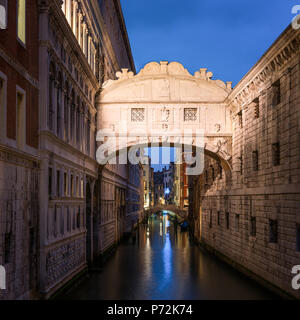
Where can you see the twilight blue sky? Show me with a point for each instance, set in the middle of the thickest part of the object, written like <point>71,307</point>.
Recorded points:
<point>227,37</point>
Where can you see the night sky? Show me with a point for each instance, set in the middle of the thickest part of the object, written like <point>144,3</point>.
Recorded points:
<point>227,37</point>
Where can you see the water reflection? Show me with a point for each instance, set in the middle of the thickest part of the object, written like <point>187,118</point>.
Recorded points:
<point>163,264</point>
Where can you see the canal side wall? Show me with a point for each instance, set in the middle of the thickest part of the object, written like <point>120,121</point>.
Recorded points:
<point>250,214</point>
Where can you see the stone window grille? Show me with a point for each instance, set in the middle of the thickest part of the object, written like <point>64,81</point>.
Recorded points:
<point>253,226</point>
<point>256,108</point>
<point>273,231</point>
<point>276,92</point>
<point>241,164</point>
<point>276,154</point>
<point>190,114</point>
<point>137,115</point>
<point>255,160</point>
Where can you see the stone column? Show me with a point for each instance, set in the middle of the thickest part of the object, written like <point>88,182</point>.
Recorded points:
<point>79,29</point>
<point>68,10</point>
<point>74,16</point>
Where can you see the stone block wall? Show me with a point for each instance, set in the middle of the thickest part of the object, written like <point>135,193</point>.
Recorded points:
<point>253,217</point>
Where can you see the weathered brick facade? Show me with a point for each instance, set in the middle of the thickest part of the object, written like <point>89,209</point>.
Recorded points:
<point>19,163</point>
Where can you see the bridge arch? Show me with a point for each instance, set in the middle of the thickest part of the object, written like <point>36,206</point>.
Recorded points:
<point>164,99</point>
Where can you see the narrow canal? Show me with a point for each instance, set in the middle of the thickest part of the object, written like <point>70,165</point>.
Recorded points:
<point>161,263</point>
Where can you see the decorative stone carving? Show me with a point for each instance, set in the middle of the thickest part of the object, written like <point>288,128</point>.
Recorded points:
<point>125,74</point>
<point>165,114</point>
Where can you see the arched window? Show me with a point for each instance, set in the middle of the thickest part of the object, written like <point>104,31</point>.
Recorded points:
<point>66,112</point>
<point>58,105</point>
<point>50,92</point>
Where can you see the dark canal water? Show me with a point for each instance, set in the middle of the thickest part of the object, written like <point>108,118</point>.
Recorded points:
<point>161,263</point>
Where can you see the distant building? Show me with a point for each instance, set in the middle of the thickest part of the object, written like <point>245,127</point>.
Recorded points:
<point>148,181</point>
<point>159,196</point>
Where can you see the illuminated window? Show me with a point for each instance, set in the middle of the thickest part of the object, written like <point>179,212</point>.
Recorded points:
<point>21,16</point>
<point>3,14</point>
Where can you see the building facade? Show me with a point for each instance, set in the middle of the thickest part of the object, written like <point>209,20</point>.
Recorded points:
<point>250,215</point>
<point>79,216</point>
<point>19,160</point>
<point>55,199</point>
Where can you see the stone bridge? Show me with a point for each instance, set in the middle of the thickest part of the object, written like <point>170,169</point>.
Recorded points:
<point>181,213</point>
<point>165,100</point>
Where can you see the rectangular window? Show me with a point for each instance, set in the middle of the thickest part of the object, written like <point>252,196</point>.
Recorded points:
<point>21,119</point>
<point>210,219</point>
<point>3,97</point>
<point>65,183</point>
<point>190,114</point>
<point>3,14</point>
<point>253,226</point>
<point>273,228</point>
<point>227,220</point>
<point>21,20</point>
<point>58,183</point>
<point>237,222</point>
<point>241,164</point>
<point>49,182</point>
<point>298,237</point>
<point>240,116</point>
<point>81,188</point>
<point>7,247</point>
<point>276,92</point>
<point>255,160</point>
<point>68,220</point>
<point>72,186</point>
<point>218,218</point>
<point>276,154</point>
<point>256,107</point>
